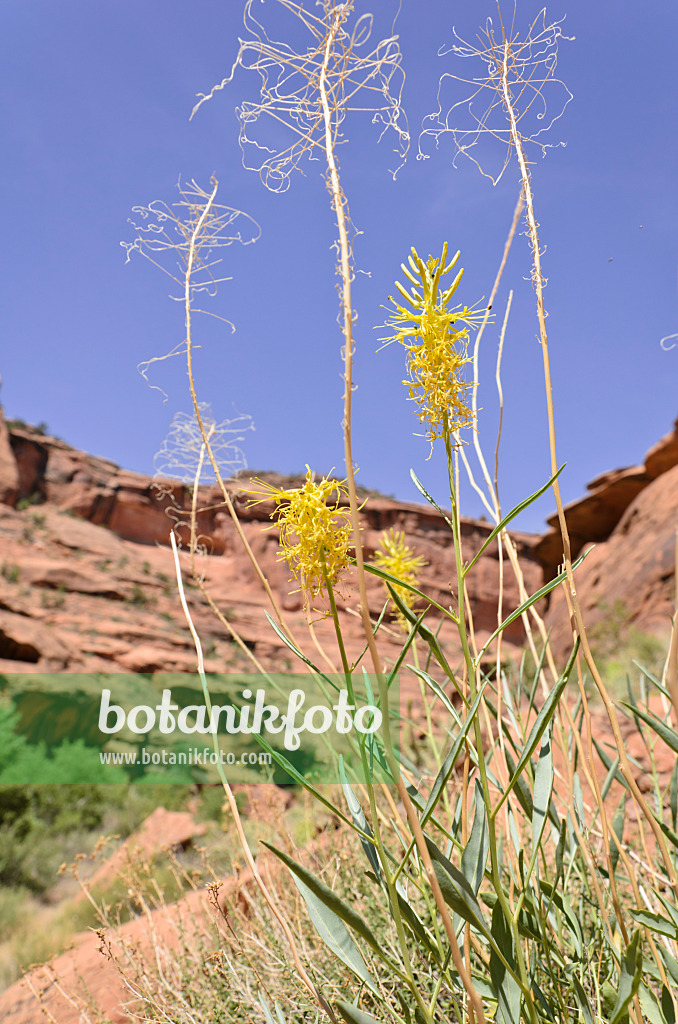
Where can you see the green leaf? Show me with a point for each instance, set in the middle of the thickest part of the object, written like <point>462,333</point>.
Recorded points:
<point>426,634</point>
<point>655,922</point>
<point>456,890</point>
<point>543,718</point>
<point>651,1007</point>
<point>533,600</point>
<point>669,908</point>
<point>360,821</point>
<point>582,1001</point>
<point>295,774</point>
<point>422,490</point>
<point>670,736</point>
<point>267,1011</point>
<point>630,973</point>
<point>541,801</point>
<point>611,766</point>
<point>618,828</point>
<point>670,963</point>
<point>668,1007</point>
<point>511,515</point>
<point>668,832</point>
<point>416,926</point>
<point>335,935</point>
<point>393,581</point>
<point>448,764</point>
<point>333,902</point>
<point>295,650</point>
<point>563,904</point>
<point>504,985</point>
<point>522,790</point>
<point>353,1015</point>
<point>437,689</point>
<point>474,857</point>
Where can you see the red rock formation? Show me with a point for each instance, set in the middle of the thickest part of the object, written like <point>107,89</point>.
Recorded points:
<point>632,573</point>
<point>96,592</point>
<point>594,517</point>
<point>9,473</point>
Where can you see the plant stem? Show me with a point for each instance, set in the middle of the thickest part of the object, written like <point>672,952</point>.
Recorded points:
<point>571,589</point>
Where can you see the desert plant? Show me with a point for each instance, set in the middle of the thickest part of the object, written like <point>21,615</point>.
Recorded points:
<point>502,882</point>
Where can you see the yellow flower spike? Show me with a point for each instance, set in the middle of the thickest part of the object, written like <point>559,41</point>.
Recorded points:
<point>436,344</point>
<point>398,559</point>
<point>312,524</point>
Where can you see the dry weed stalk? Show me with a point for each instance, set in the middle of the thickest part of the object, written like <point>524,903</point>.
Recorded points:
<point>517,72</point>
<point>310,93</point>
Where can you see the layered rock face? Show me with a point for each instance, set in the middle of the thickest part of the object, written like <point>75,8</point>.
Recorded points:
<point>594,517</point>
<point>87,577</point>
<point>630,520</point>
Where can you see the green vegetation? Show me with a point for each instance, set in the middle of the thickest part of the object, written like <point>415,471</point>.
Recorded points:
<point>9,572</point>
<point>18,424</point>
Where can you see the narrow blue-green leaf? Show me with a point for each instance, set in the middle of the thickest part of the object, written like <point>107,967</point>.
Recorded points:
<point>610,777</point>
<point>650,1006</point>
<point>330,899</point>
<point>670,736</point>
<point>456,890</point>
<point>547,712</point>
<point>335,935</point>
<point>416,926</point>
<point>448,764</point>
<point>669,833</point>
<point>670,962</point>
<point>474,857</point>
<point>522,790</point>
<point>295,650</point>
<point>352,1015</point>
<point>543,1002</point>
<point>546,589</point>
<point>295,774</point>
<point>669,908</point>
<point>655,922</point>
<point>631,969</point>
<point>512,515</point>
<point>541,800</point>
<point>437,689</point>
<point>422,490</point>
<point>618,828</point>
<point>578,800</point>
<point>504,985</point>
<point>610,765</point>
<point>582,1000</point>
<point>360,820</point>
<point>668,1008</point>
<point>673,797</point>
<point>394,581</point>
<point>563,904</point>
<point>426,634</point>
<point>266,1009</point>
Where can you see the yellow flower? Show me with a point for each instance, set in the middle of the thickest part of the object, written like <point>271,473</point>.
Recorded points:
<point>436,347</point>
<point>400,561</point>
<point>312,527</point>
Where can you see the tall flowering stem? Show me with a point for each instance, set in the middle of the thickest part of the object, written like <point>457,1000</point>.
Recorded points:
<point>436,339</point>
<point>315,531</point>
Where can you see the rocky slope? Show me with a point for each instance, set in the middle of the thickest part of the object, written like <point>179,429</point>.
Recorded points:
<point>86,584</point>
<point>87,578</point>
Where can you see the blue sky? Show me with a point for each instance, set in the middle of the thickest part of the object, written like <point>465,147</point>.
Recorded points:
<point>95,112</point>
